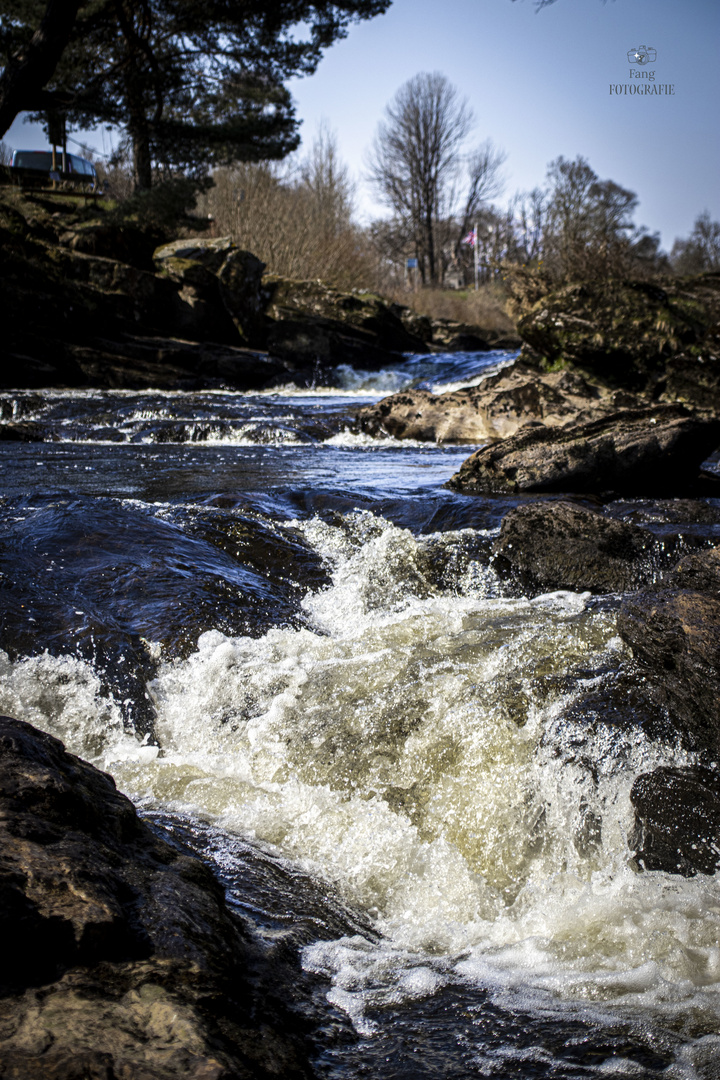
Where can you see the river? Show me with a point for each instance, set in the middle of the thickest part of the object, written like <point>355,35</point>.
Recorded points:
<point>289,645</point>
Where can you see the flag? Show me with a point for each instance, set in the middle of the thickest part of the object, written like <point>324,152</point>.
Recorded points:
<point>471,238</point>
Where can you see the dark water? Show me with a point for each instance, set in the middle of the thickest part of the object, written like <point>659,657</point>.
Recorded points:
<point>292,648</point>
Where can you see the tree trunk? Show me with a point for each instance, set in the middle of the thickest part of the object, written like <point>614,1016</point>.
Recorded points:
<point>139,131</point>
<point>142,159</point>
<point>430,244</point>
<point>30,69</point>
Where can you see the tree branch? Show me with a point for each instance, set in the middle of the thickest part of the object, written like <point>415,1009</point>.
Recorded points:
<point>33,66</point>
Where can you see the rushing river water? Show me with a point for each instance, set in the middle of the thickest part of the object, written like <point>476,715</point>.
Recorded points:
<point>288,644</point>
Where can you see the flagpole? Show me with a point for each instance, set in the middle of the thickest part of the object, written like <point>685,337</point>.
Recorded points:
<point>475,252</point>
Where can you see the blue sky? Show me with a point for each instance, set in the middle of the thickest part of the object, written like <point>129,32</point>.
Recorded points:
<point>538,83</point>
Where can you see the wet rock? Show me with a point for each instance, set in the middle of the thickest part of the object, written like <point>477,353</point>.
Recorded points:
<point>653,450</point>
<point>137,362</point>
<point>120,956</point>
<point>26,431</point>
<point>689,513</point>
<point>677,815</point>
<point>675,638</point>
<point>562,545</point>
<point>699,572</point>
<point>514,398</point>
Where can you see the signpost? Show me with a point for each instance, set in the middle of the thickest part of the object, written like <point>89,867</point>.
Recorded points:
<point>411,264</point>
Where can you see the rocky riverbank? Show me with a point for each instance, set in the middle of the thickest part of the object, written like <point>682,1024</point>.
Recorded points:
<point>93,301</point>
<point>588,351</point>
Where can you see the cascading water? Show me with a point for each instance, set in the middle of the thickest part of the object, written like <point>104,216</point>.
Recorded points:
<point>410,735</point>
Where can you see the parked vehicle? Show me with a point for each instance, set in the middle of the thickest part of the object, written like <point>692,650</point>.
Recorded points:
<point>32,167</point>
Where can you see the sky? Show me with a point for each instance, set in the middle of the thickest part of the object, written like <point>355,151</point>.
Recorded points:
<point>538,83</point>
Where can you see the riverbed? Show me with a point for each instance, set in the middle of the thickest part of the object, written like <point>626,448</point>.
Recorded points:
<point>290,645</point>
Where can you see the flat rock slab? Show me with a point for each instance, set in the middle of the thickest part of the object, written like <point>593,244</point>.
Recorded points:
<point>120,957</point>
<point>500,406</point>
<point>654,450</point>
<point>562,545</point>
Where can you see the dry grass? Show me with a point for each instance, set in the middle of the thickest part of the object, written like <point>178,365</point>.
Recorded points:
<point>486,308</point>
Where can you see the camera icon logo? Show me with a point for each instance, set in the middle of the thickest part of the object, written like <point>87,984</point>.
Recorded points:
<point>644,54</point>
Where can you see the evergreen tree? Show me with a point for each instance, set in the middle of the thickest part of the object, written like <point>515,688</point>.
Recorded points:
<point>192,84</point>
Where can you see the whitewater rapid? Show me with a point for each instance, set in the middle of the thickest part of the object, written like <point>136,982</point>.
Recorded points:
<point>408,748</point>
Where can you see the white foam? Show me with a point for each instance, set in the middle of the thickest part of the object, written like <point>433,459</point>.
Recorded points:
<point>396,748</point>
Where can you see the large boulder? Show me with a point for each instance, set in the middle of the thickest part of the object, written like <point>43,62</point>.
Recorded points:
<point>653,450</point>
<point>562,545</point>
<point>120,957</point>
<point>675,638</point>
<point>196,311</point>
<point>241,288</point>
<point>677,820</point>
<point>210,252</point>
<point>311,322</point>
<point>123,242</point>
<point>674,635</point>
<point>626,331</point>
<point>513,398</point>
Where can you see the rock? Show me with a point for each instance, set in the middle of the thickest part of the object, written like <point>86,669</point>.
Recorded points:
<point>76,292</point>
<point>120,955</point>
<point>25,431</point>
<point>623,332</point>
<point>420,326</point>
<point>675,638</point>
<point>209,252</point>
<point>652,450</point>
<point>561,545</point>
<point>694,379</point>
<point>451,336</point>
<point>699,572</point>
<point>310,322</point>
<point>502,404</point>
<point>123,243</point>
<point>677,820</point>
<point>197,311</point>
<point>138,362</point>
<point>242,293</point>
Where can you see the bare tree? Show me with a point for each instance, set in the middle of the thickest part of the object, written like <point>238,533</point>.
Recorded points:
<point>529,212</point>
<point>588,228</point>
<point>419,166</point>
<point>484,183</point>
<point>701,250</point>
